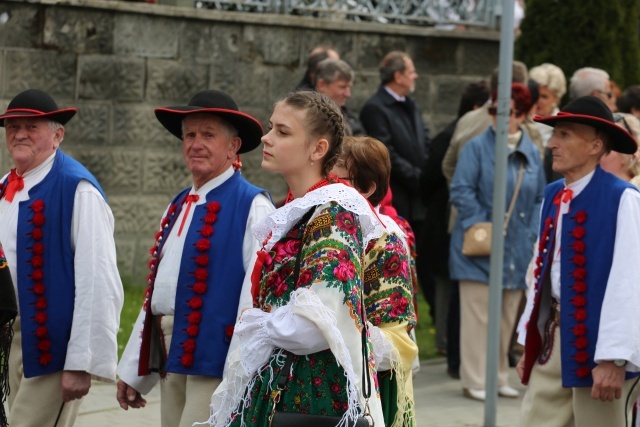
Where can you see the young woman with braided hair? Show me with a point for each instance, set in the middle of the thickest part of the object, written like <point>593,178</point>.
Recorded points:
<point>306,284</point>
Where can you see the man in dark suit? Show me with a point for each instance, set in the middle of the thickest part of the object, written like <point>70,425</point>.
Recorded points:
<point>395,119</point>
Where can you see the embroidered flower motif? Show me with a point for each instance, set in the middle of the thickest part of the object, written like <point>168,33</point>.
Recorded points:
<point>392,267</point>
<point>399,304</point>
<point>345,271</point>
<point>346,222</point>
<point>305,277</point>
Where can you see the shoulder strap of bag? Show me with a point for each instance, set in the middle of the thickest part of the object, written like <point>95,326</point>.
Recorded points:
<point>512,205</point>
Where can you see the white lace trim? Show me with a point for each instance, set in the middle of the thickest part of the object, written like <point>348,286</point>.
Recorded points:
<point>283,219</point>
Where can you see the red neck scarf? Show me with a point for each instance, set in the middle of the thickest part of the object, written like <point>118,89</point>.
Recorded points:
<point>15,184</point>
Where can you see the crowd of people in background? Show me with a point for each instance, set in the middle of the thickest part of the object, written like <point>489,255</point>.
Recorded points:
<point>255,314</point>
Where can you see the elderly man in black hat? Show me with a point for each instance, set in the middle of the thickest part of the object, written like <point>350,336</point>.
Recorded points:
<point>57,231</point>
<point>582,333</point>
<point>200,264</point>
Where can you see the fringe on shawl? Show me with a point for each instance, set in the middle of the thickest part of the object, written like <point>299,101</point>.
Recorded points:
<point>235,395</point>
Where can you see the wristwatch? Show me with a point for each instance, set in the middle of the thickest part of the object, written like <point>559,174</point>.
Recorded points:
<point>619,362</point>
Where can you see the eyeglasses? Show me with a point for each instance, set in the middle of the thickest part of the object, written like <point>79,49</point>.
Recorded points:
<point>608,94</point>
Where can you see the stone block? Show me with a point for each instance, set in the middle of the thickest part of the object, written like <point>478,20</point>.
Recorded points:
<point>247,83</point>
<point>52,72</point>
<point>125,250</point>
<point>434,55</point>
<point>165,172</point>
<point>479,57</point>
<point>147,36</point>
<point>211,43</point>
<point>136,125</point>
<point>281,81</point>
<point>90,127</point>
<point>448,91</point>
<point>174,80</point>
<point>111,77</point>
<point>342,42</point>
<point>22,26</point>
<point>277,46</point>
<point>364,87</point>
<point>372,48</point>
<point>138,215</point>
<point>78,30</point>
<point>118,171</point>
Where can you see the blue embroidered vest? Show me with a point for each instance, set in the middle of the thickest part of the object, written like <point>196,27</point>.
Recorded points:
<point>45,266</point>
<point>588,237</point>
<point>209,281</point>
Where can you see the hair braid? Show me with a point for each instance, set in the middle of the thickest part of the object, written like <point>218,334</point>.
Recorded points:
<point>323,119</point>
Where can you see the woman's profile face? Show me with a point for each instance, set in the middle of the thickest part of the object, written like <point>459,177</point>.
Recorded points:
<point>616,163</point>
<point>546,102</point>
<point>286,149</point>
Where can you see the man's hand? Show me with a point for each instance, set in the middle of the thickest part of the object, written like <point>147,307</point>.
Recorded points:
<point>607,381</point>
<point>520,367</point>
<point>128,396</point>
<point>75,385</point>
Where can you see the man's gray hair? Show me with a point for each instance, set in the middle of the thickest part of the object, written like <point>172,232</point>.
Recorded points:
<point>228,128</point>
<point>331,70</point>
<point>392,62</point>
<point>585,80</point>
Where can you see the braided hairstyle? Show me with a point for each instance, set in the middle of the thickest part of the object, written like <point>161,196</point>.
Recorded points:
<point>324,119</point>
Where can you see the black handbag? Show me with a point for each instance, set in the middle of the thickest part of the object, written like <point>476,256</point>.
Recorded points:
<point>297,419</point>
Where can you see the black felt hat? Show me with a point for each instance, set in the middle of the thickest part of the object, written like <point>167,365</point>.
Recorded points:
<point>591,111</point>
<point>33,103</point>
<point>220,104</point>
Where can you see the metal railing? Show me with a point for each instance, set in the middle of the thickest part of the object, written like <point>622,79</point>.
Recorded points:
<point>479,13</point>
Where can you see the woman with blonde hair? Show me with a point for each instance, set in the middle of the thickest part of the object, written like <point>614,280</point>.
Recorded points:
<point>302,348</point>
<point>624,166</point>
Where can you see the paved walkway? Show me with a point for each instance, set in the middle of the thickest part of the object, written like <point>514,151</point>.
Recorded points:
<point>439,403</point>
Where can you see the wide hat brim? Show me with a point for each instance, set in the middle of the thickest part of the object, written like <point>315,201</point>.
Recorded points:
<point>220,104</point>
<point>34,103</point>
<point>591,111</point>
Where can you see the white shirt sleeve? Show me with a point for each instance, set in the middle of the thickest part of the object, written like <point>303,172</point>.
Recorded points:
<point>99,296</point>
<point>619,330</point>
<point>260,208</point>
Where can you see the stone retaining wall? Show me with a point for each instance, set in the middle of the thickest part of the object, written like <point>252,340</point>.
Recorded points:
<point>116,61</point>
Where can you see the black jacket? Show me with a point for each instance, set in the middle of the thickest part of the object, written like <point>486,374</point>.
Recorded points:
<point>400,127</point>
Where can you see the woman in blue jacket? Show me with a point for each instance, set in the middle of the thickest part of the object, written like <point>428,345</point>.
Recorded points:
<point>472,195</point>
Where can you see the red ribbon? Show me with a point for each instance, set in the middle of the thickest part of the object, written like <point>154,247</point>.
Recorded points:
<point>16,183</point>
<point>191,198</point>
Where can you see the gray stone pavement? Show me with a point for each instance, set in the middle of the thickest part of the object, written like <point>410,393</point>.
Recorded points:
<point>439,403</point>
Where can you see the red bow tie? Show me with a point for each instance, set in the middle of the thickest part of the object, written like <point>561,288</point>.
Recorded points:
<point>564,196</point>
<point>16,183</point>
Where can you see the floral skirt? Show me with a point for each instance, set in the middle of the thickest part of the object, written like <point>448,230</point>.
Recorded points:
<point>389,398</point>
<point>317,386</point>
